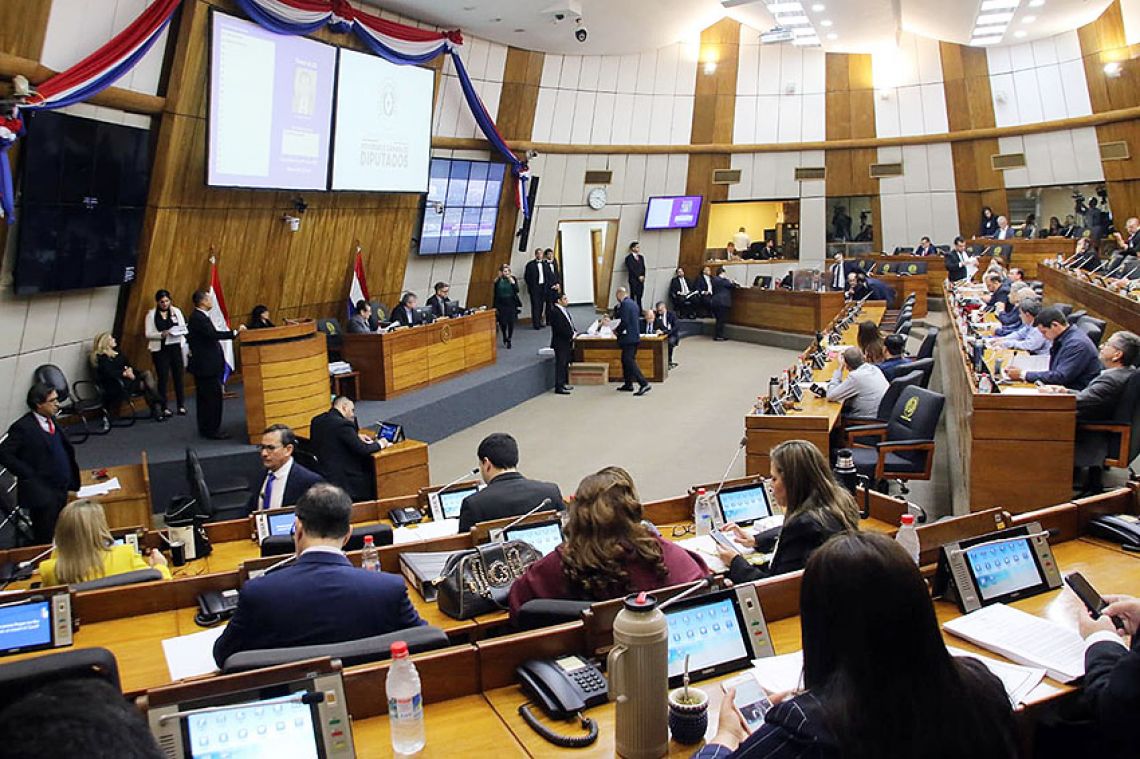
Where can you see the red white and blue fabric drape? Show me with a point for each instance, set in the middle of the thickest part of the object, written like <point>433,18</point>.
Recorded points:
<point>396,43</point>
<point>85,79</point>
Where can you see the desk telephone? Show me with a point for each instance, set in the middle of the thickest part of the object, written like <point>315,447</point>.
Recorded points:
<point>1119,528</point>
<point>215,607</point>
<point>563,687</point>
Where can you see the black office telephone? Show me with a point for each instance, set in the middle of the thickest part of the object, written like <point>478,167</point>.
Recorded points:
<point>1119,528</point>
<point>563,687</point>
<point>405,515</point>
<point>215,607</point>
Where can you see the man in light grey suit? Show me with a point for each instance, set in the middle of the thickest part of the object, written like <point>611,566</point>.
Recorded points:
<point>360,321</point>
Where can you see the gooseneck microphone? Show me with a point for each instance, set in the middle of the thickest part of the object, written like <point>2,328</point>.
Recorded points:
<point>731,464</point>
<point>545,502</point>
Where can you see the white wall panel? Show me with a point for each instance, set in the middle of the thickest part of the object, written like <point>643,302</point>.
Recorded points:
<point>608,73</point>
<point>660,119</point>
<point>1039,81</point>
<point>583,117</point>
<point>571,66</point>
<point>603,118</point>
<point>588,78</point>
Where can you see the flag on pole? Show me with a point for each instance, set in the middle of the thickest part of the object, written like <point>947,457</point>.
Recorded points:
<point>358,290</point>
<point>221,319</point>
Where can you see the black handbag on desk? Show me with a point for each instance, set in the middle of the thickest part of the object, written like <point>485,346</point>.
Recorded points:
<point>478,581</point>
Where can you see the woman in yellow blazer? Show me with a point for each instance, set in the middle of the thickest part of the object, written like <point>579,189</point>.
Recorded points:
<point>85,550</point>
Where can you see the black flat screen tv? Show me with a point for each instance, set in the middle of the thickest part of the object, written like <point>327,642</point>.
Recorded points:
<point>83,189</point>
<point>461,206</point>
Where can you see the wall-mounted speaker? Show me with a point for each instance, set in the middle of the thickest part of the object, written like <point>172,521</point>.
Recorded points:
<point>599,177</point>
<point>1114,151</point>
<point>524,231</point>
<point>885,170</point>
<point>810,173</point>
<point>726,176</point>
<point>1006,161</point>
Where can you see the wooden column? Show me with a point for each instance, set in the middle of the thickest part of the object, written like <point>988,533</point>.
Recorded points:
<point>714,114</point>
<point>517,106</point>
<point>851,115</point>
<point>970,105</point>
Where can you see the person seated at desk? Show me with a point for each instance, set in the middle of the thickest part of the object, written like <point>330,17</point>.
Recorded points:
<point>118,380</point>
<point>608,552</point>
<point>508,493</point>
<point>870,341</point>
<point>765,252</point>
<point>360,323</point>
<point>666,324</point>
<point>320,598</point>
<point>1055,229</point>
<point>1004,230</point>
<point>684,297</point>
<point>601,327</point>
<point>1008,317</point>
<point>925,248</point>
<point>405,313</point>
<point>863,388</point>
<point>788,282</point>
<point>344,453</point>
<point>285,480</point>
<point>863,601</point>
<point>1112,674</point>
<point>896,360</point>
<point>1100,402</point>
<point>1073,358</point>
<point>730,252</point>
<point>815,508</point>
<point>439,302</point>
<point>1025,337</point>
<point>989,225</point>
<point>259,318</point>
<point>997,291</point>
<point>85,550</point>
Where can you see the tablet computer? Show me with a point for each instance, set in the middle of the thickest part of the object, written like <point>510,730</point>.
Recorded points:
<point>720,632</point>
<point>446,504</point>
<point>545,536</point>
<point>35,622</point>
<point>390,431</point>
<point>998,567</point>
<point>273,522</point>
<point>744,504</point>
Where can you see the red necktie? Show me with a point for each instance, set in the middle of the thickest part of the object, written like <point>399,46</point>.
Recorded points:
<point>51,427</point>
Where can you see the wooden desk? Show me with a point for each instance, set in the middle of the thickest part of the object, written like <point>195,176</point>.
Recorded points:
<point>465,726</point>
<point>130,505</point>
<point>903,285</point>
<point>1012,450</point>
<point>401,469</point>
<point>285,371</point>
<point>1119,310</point>
<point>814,419</point>
<point>652,355</point>
<point>403,360</point>
<point>1028,254</point>
<point>804,312</point>
<point>935,266</point>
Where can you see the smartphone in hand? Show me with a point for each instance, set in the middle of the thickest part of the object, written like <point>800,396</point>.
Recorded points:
<point>1092,600</point>
<point>751,701</point>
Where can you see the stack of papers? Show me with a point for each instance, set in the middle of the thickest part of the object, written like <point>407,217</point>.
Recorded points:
<point>191,655</point>
<point>1025,639</point>
<point>339,367</point>
<point>1019,681</point>
<point>425,531</point>
<point>99,488</point>
<point>1031,363</point>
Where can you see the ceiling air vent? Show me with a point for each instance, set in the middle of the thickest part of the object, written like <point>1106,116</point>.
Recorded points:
<point>726,176</point>
<point>1114,151</point>
<point>1004,161</point>
<point>599,177</point>
<point>884,170</point>
<point>807,174</point>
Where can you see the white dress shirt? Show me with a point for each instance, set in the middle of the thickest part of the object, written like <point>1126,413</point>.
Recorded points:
<point>864,388</point>
<point>47,425</point>
<point>278,492</point>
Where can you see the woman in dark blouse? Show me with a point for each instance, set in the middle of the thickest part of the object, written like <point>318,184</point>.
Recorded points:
<point>259,318</point>
<point>815,507</point>
<point>988,227</point>
<point>877,678</point>
<point>118,380</point>
<point>608,552</point>
<point>507,303</point>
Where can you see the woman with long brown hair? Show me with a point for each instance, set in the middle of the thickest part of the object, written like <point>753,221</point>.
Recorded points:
<point>607,551</point>
<point>815,507</point>
<point>85,550</point>
<point>870,341</point>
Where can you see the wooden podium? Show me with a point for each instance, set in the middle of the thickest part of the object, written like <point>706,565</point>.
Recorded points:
<point>401,469</point>
<point>804,312</point>
<point>286,374</point>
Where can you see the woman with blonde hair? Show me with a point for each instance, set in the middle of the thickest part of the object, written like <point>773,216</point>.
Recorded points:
<point>85,550</point>
<point>607,552</point>
<point>815,508</point>
<point>118,380</point>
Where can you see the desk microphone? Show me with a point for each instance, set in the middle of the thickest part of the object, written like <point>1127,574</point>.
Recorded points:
<point>497,535</point>
<point>23,570</point>
<point>700,584</point>
<point>433,498</point>
<point>735,456</point>
<point>307,698</point>
<point>1102,265</point>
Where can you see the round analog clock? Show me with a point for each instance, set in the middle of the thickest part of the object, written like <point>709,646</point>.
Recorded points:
<point>597,198</point>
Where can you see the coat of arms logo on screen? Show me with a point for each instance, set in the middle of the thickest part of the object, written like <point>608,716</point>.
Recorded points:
<point>388,99</point>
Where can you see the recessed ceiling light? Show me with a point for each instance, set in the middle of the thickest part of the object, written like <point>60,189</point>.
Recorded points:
<point>985,40</point>
<point>1020,33</point>
<point>785,8</point>
<point>819,7</point>
<point>994,5</point>
<point>825,22</point>
<point>1036,3</point>
<point>1028,19</point>
<point>800,20</point>
<point>833,36</point>
<point>993,18</point>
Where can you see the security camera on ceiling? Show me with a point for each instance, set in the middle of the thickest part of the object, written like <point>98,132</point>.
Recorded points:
<point>580,32</point>
<point>564,9</point>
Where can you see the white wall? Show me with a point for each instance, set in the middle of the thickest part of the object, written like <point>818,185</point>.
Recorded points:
<point>780,92</point>
<point>910,98</point>
<point>1038,81</point>
<point>922,202</point>
<point>57,328</point>
<point>485,62</point>
<point>1071,156</point>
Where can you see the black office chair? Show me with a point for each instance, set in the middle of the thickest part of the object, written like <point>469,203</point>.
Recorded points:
<point>1118,437</point>
<point>19,678</point>
<point>15,523</point>
<point>350,652</point>
<point>763,282</point>
<point>334,337</point>
<point>1065,308</point>
<point>903,328</point>
<point>1091,326</point>
<point>924,365</point>
<point>379,314</point>
<point>70,416</point>
<point>886,405</point>
<point>218,501</point>
<point>113,581</point>
<point>544,612</point>
<point>1076,316</point>
<point>926,347</point>
<point>904,449</point>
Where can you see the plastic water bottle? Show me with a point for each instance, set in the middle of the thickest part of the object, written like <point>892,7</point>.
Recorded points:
<point>702,513</point>
<point>405,702</point>
<point>907,537</point>
<point>369,557</point>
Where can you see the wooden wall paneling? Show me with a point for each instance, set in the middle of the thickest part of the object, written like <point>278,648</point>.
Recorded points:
<point>851,115</point>
<point>699,182</point>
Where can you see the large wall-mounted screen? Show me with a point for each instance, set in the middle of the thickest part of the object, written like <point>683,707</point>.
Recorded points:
<point>383,125</point>
<point>270,108</point>
<point>673,212</point>
<point>461,207</point>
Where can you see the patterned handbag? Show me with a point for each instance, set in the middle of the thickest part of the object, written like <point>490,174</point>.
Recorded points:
<point>478,581</point>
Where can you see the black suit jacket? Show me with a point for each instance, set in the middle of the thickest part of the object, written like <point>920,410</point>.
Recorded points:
<point>508,495</point>
<point>338,602</point>
<point>342,457</point>
<point>798,538</point>
<point>1112,690</point>
<point>400,314</point>
<point>955,270</point>
<point>628,328</point>
<point>530,275</point>
<point>553,276</point>
<point>26,453</point>
<point>438,305</point>
<point>561,329</point>
<point>929,250</point>
<point>205,341</point>
<point>635,265</point>
<point>722,288</point>
<point>668,325</point>
<point>299,480</point>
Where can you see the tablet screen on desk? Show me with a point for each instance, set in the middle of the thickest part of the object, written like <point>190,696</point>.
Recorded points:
<point>452,500</point>
<point>393,433</point>
<point>710,632</point>
<point>281,523</point>
<point>25,626</point>
<point>744,504</point>
<point>544,536</point>
<point>1003,568</point>
<point>265,728</point>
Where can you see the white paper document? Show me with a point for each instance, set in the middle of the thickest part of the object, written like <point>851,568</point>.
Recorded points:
<point>1031,363</point>
<point>1019,681</point>
<point>778,674</point>
<point>1025,639</point>
<point>425,531</point>
<point>191,655</point>
<point>99,488</point>
<point>705,547</point>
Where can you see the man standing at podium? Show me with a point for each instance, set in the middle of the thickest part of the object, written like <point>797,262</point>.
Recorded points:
<point>207,364</point>
<point>344,454</point>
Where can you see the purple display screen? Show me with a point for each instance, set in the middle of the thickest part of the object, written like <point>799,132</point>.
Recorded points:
<point>675,212</point>
<point>270,108</point>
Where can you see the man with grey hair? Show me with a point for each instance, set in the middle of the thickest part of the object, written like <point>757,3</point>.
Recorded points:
<point>1025,337</point>
<point>1004,230</point>
<point>863,388</point>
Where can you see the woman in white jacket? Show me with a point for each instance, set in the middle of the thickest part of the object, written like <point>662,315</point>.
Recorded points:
<point>165,330</point>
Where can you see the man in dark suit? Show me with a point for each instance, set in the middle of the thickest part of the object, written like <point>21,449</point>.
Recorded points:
<point>554,286</point>
<point>837,273</point>
<point>39,454</point>
<point>925,248</point>
<point>627,331</point>
<point>344,454</point>
<point>508,493</point>
<point>666,324</point>
<point>997,291</point>
<point>321,598</point>
<point>361,321</point>
<point>956,260</point>
<point>439,301</point>
<point>285,480</point>
<point>635,268</point>
<point>683,296</point>
<point>562,341</point>
<point>721,301</point>
<point>537,283</point>
<point>405,313</point>
<point>1073,359</point>
<point>704,287</point>
<point>207,364</point>
<point>1112,675</point>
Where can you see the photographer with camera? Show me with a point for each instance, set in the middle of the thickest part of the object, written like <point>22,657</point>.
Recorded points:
<point>1096,221</point>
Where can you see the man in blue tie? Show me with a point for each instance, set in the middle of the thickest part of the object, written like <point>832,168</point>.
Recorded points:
<point>285,480</point>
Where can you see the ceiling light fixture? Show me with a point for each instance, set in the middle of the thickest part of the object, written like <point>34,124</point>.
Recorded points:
<point>997,5</point>
<point>1036,3</point>
<point>1028,19</point>
<point>799,20</point>
<point>978,41</point>
<point>993,18</point>
<point>1113,70</point>
<point>785,8</point>
<point>819,8</point>
<point>825,22</point>
<point>1020,33</point>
